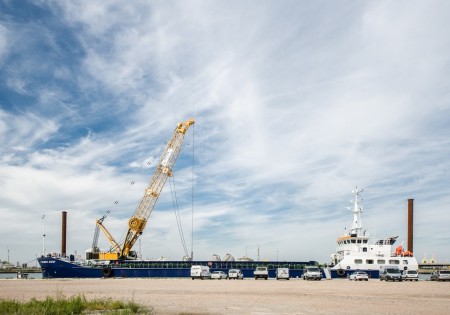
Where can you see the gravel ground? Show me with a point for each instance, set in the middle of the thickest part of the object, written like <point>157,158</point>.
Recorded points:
<point>176,296</point>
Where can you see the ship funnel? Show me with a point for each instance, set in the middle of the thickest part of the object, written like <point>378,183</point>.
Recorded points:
<point>64,233</point>
<point>410,224</point>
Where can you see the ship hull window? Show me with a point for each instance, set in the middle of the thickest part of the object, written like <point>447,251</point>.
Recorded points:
<point>394,262</point>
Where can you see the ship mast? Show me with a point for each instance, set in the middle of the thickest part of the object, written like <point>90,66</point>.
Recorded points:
<point>357,209</point>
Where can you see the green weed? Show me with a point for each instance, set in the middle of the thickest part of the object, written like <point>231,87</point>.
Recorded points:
<point>73,305</point>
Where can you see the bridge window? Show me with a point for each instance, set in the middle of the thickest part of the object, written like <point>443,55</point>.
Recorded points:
<point>381,261</point>
<point>358,261</point>
<point>369,261</point>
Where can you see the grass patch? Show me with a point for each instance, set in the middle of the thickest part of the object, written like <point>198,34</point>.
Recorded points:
<point>74,305</point>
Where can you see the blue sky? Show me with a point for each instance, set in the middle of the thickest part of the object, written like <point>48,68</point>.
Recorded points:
<point>295,102</point>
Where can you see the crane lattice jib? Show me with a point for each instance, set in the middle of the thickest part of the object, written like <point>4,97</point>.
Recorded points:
<point>163,170</point>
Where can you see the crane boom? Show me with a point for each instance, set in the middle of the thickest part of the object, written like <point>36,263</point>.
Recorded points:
<point>97,230</point>
<point>138,221</point>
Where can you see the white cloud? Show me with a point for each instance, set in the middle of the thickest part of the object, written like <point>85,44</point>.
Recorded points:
<point>25,130</point>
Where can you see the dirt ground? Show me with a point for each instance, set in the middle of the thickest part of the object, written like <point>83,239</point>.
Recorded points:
<point>175,296</point>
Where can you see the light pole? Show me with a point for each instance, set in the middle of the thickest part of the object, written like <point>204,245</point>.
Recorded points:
<point>43,235</point>
<point>8,254</point>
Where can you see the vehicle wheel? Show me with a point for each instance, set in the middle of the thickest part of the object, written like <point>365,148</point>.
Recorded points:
<point>192,278</point>
<point>265,278</point>
<point>367,279</point>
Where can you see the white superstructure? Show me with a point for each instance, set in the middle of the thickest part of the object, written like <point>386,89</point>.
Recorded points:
<point>355,251</point>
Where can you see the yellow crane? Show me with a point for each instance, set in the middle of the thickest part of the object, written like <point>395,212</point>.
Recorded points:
<point>138,221</point>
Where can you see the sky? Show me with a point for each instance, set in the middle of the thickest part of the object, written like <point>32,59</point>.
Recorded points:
<point>295,103</point>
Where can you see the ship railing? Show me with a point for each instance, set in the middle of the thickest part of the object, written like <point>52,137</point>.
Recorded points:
<point>213,265</point>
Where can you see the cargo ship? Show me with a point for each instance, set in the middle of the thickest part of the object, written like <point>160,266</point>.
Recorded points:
<point>60,267</point>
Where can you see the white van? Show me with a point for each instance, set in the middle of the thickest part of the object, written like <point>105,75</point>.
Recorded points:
<point>235,274</point>
<point>200,272</point>
<point>282,273</point>
<point>312,273</point>
<point>411,275</point>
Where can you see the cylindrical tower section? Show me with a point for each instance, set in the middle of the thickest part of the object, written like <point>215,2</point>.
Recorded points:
<point>64,233</point>
<point>410,224</point>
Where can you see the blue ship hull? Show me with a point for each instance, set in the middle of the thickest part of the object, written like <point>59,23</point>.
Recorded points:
<point>62,268</point>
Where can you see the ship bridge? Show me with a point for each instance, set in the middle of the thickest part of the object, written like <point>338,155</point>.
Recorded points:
<point>353,239</point>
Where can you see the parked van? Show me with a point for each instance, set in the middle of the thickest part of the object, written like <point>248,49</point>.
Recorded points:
<point>200,272</point>
<point>261,272</point>
<point>235,274</point>
<point>282,273</point>
<point>411,275</point>
<point>312,273</point>
<point>390,273</point>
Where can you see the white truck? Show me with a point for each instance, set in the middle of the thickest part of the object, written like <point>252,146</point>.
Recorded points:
<point>312,273</point>
<point>200,272</point>
<point>261,272</point>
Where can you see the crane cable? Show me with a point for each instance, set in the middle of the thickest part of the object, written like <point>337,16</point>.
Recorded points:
<point>177,213</point>
<point>175,203</point>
